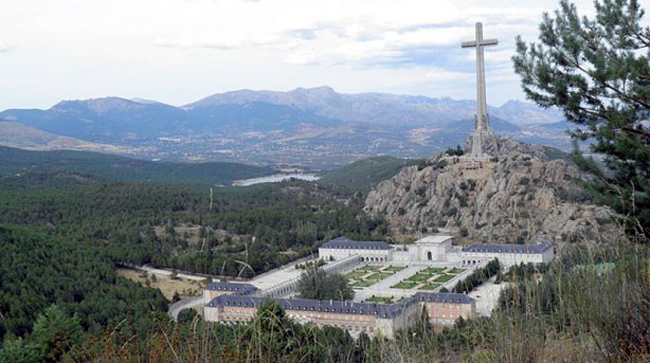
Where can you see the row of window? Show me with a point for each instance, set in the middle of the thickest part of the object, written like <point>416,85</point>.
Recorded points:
<point>352,328</point>
<point>334,316</point>
<point>443,306</point>
<point>235,317</point>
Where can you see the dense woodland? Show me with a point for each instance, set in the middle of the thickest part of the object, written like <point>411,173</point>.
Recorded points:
<point>364,174</point>
<point>63,234</point>
<point>119,218</point>
<point>37,271</point>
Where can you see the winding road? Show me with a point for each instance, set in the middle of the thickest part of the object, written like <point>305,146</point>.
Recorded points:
<point>187,303</point>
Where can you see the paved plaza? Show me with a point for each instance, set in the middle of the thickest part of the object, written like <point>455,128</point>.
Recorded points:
<point>279,275</point>
<point>487,296</point>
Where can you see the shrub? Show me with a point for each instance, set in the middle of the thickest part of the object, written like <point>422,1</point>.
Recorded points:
<point>478,277</point>
<point>186,315</point>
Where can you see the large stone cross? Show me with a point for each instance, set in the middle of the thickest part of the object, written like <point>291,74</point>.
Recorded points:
<point>482,125</point>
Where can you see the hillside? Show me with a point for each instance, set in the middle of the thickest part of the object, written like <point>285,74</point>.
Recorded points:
<point>118,168</point>
<point>529,195</point>
<point>364,174</point>
<point>14,134</point>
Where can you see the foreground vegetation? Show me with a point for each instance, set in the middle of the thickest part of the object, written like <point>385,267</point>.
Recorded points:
<point>560,318</point>
<point>39,272</point>
<point>596,71</point>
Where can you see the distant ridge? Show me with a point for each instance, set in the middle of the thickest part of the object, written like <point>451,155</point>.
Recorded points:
<point>317,128</point>
<point>380,108</point>
<point>118,168</point>
<point>111,118</point>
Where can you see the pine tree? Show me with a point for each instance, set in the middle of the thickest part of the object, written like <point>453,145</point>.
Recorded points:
<point>55,334</point>
<point>597,71</point>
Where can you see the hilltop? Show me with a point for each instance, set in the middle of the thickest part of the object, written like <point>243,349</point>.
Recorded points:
<point>531,194</point>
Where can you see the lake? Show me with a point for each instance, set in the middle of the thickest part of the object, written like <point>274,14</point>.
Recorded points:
<point>274,179</point>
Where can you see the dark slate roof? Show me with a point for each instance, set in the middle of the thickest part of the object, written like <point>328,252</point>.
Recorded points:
<point>442,297</point>
<point>345,243</point>
<point>506,248</point>
<point>239,289</point>
<point>344,307</point>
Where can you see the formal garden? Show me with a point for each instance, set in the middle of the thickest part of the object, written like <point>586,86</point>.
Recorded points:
<point>369,275</point>
<point>431,278</point>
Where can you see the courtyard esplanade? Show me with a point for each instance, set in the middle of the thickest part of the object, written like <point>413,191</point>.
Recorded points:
<point>369,251</point>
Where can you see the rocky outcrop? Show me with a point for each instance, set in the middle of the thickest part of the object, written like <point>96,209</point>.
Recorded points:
<point>525,195</point>
<point>501,146</point>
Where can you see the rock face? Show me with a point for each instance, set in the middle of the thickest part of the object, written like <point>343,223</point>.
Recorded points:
<point>523,196</point>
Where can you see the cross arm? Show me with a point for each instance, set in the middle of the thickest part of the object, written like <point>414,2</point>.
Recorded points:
<point>486,42</point>
<point>483,43</point>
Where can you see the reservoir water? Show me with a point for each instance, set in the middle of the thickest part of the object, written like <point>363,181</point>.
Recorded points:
<point>274,179</point>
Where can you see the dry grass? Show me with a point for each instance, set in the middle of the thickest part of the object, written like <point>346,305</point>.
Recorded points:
<point>191,231</point>
<point>165,284</point>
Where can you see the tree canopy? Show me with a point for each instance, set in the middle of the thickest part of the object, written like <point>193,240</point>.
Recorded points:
<point>597,71</point>
<point>317,284</point>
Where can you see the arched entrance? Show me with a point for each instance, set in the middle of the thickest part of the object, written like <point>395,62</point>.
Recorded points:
<point>429,256</point>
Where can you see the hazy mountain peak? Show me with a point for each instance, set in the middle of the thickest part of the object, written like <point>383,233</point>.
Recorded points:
<point>98,105</point>
<point>146,101</point>
<point>315,90</point>
<point>527,113</point>
<point>513,103</point>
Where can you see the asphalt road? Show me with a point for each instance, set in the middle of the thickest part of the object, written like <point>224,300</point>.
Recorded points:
<point>167,273</point>
<point>187,303</point>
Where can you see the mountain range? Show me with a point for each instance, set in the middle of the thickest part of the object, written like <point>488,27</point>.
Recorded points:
<point>315,127</point>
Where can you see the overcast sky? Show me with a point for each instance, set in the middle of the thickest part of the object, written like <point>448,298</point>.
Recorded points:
<point>177,51</point>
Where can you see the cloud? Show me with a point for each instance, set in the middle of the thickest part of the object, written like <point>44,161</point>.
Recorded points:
<point>376,38</point>
<point>223,42</point>
<point>178,50</point>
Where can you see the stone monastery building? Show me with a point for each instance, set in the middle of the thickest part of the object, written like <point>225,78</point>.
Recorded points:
<point>436,248</point>
<point>231,306</point>
<point>238,302</point>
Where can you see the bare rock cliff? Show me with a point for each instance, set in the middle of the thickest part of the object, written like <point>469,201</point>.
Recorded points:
<point>522,196</point>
